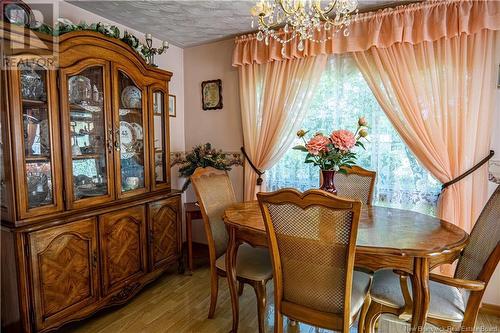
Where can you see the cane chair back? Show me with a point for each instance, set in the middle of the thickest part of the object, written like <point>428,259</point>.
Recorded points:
<point>358,183</point>
<point>312,238</point>
<point>484,238</point>
<point>214,192</point>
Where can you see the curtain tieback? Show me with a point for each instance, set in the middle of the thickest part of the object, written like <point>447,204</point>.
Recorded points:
<point>257,171</point>
<point>468,172</point>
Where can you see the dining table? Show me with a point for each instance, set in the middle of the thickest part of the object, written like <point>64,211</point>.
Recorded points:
<point>388,238</point>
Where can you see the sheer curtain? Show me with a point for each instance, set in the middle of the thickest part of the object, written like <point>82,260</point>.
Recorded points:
<point>438,96</point>
<point>342,96</point>
<point>274,98</point>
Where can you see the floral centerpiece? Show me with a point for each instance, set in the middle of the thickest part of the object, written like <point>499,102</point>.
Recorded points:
<point>333,153</point>
<point>202,156</point>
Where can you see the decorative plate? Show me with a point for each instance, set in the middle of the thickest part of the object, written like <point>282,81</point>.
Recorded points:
<point>137,130</point>
<point>131,97</point>
<point>80,89</point>
<point>17,12</point>
<point>127,140</point>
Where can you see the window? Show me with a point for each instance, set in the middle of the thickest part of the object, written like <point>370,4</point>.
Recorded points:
<point>342,96</point>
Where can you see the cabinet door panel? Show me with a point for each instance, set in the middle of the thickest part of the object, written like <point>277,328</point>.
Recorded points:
<point>122,239</point>
<point>37,154</point>
<point>159,137</point>
<point>164,231</point>
<point>131,132</point>
<point>87,132</point>
<point>64,270</point>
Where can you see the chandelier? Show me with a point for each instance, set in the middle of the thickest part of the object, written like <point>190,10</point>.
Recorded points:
<point>300,19</point>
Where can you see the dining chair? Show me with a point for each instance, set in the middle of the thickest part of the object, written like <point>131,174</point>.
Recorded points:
<point>215,193</point>
<point>312,239</point>
<point>357,183</point>
<point>454,302</point>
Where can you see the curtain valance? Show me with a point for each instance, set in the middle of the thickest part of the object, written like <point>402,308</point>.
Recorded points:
<point>415,23</point>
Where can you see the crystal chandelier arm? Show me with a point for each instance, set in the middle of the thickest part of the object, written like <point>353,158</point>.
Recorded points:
<point>267,25</point>
<point>290,11</point>
<point>324,12</point>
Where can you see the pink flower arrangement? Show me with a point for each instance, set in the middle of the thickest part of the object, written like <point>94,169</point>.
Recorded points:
<point>333,152</point>
<point>343,139</point>
<point>318,144</point>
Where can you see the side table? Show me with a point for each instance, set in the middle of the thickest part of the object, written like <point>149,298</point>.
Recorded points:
<point>193,212</point>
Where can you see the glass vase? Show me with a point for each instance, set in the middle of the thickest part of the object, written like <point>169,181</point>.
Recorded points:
<point>328,181</point>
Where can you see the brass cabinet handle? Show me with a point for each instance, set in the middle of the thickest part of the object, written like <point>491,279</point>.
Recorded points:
<point>117,138</point>
<point>109,140</point>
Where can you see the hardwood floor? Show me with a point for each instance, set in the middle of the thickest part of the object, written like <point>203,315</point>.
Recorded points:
<point>179,303</point>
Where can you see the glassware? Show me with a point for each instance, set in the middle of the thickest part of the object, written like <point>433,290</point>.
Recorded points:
<point>80,89</point>
<point>39,184</point>
<point>32,84</point>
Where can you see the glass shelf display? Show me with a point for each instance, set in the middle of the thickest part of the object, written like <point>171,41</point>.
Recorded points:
<point>87,133</point>
<point>131,135</point>
<point>36,133</point>
<point>159,137</point>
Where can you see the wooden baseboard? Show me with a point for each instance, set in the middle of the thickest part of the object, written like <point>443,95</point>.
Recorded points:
<point>492,309</point>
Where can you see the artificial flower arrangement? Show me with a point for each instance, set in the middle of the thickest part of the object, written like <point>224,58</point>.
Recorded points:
<point>203,156</point>
<point>333,153</point>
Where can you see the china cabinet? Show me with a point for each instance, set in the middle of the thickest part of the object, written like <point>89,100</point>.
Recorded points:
<point>88,213</point>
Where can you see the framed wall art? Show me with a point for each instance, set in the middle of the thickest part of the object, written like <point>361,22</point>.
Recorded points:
<point>211,95</point>
<point>172,106</point>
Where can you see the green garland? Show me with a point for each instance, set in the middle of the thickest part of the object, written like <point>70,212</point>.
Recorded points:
<point>64,26</point>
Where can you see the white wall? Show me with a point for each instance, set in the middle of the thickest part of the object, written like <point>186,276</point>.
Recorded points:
<point>222,127</point>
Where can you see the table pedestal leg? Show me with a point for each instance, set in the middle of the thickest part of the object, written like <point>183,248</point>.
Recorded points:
<point>421,297</point>
<point>231,253</point>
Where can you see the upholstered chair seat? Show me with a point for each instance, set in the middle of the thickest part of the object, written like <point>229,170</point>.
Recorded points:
<point>251,263</point>
<point>360,285</point>
<point>446,303</point>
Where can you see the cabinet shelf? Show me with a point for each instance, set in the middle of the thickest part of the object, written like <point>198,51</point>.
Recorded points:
<point>82,109</point>
<point>34,158</point>
<point>125,111</point>
<point>86,157</point>
<point>34,101</point>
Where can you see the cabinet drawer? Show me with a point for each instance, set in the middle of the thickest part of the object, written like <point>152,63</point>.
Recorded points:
<point>164,231</point>
<point>63,262</point>
<point>122,237</point>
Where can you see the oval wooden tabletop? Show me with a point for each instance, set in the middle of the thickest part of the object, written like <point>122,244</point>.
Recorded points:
<point>393,231</point>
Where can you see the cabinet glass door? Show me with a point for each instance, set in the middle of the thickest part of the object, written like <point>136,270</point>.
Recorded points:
<point>88,142</point>
<point>160,142</point>
<point>36,134</point>
<point>131,136</point>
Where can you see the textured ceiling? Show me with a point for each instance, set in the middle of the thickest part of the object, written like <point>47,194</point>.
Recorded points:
<point>186,23</point>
